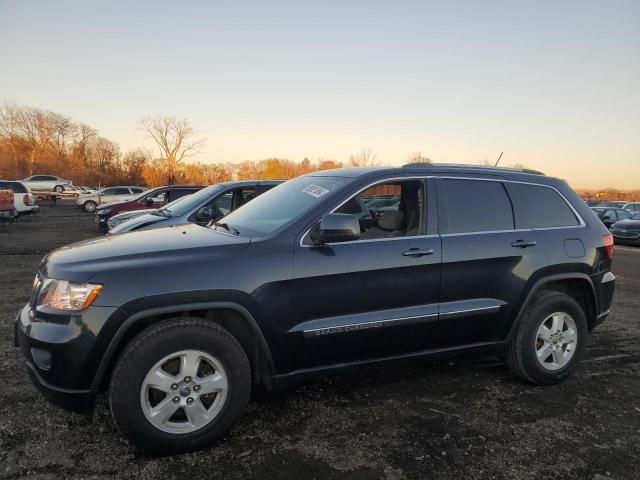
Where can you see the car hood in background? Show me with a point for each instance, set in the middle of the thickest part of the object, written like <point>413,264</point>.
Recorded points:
<point>172,245</point>
<point>124,216</point>
<point>137,221</point>
<point>627,224</point>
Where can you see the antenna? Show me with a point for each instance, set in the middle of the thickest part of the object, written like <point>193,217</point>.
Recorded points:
<point>498,161</point>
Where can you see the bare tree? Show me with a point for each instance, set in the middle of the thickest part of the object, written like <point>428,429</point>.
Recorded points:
<point>35,129</point>
<point>62,131</point>
<point>175,139</point>
<point>9,130</point>
<point>418,157</point>
<point>366,158</point>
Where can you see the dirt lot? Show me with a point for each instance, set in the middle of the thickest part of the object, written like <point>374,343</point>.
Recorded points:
<point>461,418</point>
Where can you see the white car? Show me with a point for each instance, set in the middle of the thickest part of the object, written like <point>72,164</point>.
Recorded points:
<point>89,202</point>
<point>47,183</point>
<point>23,200</point>
<point>632,206</point>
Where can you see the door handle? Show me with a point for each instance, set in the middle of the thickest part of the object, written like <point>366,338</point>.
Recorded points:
<point>524,243</point>
<point>418,252</point>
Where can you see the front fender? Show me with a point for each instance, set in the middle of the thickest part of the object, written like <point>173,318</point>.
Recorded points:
<point>141,309</point>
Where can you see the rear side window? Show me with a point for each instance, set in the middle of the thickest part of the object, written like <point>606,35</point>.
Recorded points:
<point>15,186</point>
<point>476,206</point>
<point>540,207</point>
<point>137,190</point>
<point>120,191</point>
<point>175,194</point>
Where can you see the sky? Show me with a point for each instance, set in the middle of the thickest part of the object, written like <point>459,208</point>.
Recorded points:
<point>553,84</point>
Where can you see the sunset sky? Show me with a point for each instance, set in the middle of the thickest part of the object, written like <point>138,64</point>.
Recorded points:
<point>553,84</point>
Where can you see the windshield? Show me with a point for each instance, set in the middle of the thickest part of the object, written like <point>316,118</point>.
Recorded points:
<point>282,205</point>
<point>177,208</point>
<point>166,208</point>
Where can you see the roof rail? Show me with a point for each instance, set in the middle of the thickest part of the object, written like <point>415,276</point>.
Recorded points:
<point>469,166</point>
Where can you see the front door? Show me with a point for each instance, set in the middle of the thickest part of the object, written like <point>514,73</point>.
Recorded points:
<point>371,298</point>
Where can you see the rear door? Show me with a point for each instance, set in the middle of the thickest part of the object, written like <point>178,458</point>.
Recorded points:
<point>486,262</point>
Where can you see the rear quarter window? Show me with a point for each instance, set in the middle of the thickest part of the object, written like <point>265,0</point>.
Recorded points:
<point>540,207</point>
<point>476,206</point>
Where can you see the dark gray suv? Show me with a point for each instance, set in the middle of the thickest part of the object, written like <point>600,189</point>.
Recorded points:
<point>177,324</point>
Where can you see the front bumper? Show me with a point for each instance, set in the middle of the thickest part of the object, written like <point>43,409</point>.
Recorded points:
<point>62,358</point>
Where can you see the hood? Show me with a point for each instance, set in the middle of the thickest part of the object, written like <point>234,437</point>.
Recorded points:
<point>627,224</point>
<point>165,246</point>
<point>132,213</point>
<point>136,221</point>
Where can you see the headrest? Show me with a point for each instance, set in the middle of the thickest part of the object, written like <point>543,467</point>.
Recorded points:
<point>391,220</point>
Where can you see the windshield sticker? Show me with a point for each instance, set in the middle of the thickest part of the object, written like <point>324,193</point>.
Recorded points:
<point>315,190</point>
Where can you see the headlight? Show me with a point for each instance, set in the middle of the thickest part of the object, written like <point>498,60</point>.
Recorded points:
<point>68,296</point>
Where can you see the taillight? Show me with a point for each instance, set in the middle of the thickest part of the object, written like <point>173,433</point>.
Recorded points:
<point>26,199</point>
<point>607,241</point>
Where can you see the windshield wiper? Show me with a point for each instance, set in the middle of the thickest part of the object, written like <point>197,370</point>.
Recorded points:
<point>227,227</point>
<point>164,212</point>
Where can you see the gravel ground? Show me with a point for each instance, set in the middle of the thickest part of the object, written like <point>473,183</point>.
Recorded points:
<point>461,418</point>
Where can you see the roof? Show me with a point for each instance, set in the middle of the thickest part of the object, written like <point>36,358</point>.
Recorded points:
<point>431,168</point>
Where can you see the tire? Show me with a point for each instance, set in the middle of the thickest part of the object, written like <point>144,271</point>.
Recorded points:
<point>131,394</point>
<point>529,342</point>
<point>89,206</point>
<point>58,189</point>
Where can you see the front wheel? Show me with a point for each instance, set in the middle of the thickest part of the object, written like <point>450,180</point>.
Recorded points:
<point>179,386</point>
<point>89,206</point>
<point>549,339</point>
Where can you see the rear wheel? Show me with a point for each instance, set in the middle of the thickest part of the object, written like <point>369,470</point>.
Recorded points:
<point>180,386</point>
<point>58,189</point>
<point>89,206</point>
<point>549,339</point>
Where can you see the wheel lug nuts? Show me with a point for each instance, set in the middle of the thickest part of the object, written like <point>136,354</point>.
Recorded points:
<point>189,400</point>
<point>196,388</point>
<point>176,399</point>
<point>174,386</point>
<point>187,379</point>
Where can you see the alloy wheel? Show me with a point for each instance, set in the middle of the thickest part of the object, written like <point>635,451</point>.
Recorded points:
<point>184,391</point>
<point>556,341</point>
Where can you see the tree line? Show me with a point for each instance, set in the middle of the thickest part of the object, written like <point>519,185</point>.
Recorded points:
<point>36,141</point>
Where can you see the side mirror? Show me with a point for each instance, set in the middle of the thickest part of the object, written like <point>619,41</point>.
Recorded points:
<point>336,227</point>
<point>203,215</point>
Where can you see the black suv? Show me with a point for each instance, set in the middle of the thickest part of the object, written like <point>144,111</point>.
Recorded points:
<point>178,323</point>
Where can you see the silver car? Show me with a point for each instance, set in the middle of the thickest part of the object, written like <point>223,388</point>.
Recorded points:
<point>89,202</point>
<point>47,183</point>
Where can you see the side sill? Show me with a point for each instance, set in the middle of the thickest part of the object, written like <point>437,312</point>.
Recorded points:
<point>285,379</point>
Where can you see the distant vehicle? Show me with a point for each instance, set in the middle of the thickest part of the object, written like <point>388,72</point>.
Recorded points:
<point>632,206</point>
<point>627,230</point>
<point>154,198</point>
<point>23,200</point>
<point>609,216</point>
<point>208,205</point>
<point>616,204</point>
<point>7,210</point>
<point>89,201</point>
<point>47,183</point>
<point>592,203</point>
<point>116,220</point>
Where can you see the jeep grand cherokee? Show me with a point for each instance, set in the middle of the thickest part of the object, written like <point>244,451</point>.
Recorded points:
<point>178,323</point>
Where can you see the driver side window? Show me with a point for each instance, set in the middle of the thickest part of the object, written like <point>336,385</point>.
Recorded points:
<point>387,210</point>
